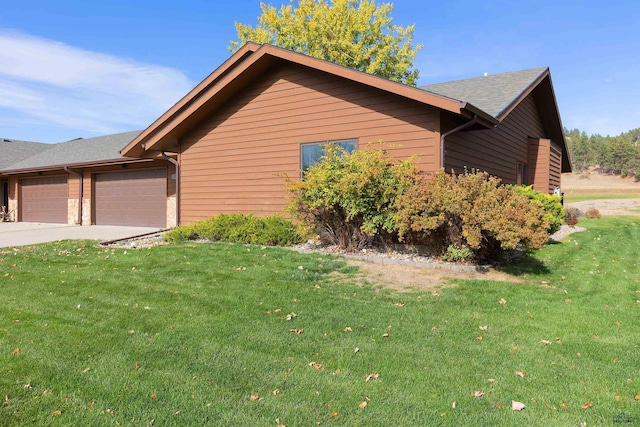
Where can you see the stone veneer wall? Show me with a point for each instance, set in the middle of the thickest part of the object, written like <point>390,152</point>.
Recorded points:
<point>171,212</point>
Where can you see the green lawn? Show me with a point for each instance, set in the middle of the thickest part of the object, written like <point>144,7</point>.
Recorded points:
<point>582,196</point>
<point>197,334</point>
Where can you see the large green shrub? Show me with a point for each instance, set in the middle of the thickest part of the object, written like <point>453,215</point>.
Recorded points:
<point>239,228</point>
<point>349,199</point>
<point>471,210</point>
<point>554,211</point>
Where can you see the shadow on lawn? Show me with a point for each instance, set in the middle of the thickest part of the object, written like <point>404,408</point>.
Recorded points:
<point>525,264</point>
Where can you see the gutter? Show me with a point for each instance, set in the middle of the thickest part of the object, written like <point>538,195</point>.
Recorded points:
<point>177,165</point>
<point>80,192</point>
<point>446,134</point>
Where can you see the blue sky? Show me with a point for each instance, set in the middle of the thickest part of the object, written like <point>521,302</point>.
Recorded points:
<point>73,69</point>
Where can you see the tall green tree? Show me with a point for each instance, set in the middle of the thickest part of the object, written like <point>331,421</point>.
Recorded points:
<point>355,33</point>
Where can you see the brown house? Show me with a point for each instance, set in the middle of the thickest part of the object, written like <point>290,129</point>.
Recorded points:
<point>266,112</point>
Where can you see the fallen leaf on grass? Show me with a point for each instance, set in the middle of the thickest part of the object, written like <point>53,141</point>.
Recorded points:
<point>545,342</point>
<point>491,380</point>
<point>586,405</point>
<point>348,329</point>
<point>315,365</point>
<point>385,335</point>
<point>57,413</point>
<point>503,301</point>
<point>153,397</point>
<point>478,393</point>
<point>333,415</point>
<point>362,405</point>
<point>637,397</point>
<point>137,365</point>
<point>85,370</point>
<point>276,392</point>
<point>16,351</point>
<point>291,316</point>
<point>517,406</point>
<point>479,338</point>
<point>520,374</point>
<point>255,397</point>
<point>453,405</point>
<point>399,304</point>
<point>483,328</point>
<point>371,377</point>
<point>297,331</point>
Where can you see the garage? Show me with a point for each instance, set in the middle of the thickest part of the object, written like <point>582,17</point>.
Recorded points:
<point>133,198</point>
<point>44,199</point>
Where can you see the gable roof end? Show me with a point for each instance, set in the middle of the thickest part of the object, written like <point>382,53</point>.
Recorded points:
<point>246,65</point>
<point>496,94</point>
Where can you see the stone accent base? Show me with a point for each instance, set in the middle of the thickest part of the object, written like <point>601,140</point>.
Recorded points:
<point>171,212</point>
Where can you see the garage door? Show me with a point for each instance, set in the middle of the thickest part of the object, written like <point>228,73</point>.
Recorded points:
<point>135,198</point>
<point>44,199</point>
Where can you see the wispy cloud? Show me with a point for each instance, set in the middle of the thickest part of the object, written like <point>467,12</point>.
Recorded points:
<point>46,82</point>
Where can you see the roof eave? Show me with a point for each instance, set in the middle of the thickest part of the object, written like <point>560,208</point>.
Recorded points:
<point>49,168</point>
<point>163,131</point>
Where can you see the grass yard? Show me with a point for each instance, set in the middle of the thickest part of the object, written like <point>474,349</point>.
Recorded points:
<point>201,334</point>
<point>581,196</point>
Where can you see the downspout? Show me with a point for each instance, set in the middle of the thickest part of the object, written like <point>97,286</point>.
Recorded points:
<point>177,165</point>
<point>446,134</point>
<point>80,192</point>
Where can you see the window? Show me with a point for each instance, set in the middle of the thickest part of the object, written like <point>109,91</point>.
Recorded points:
<point>521,177</point>
<point>312,153</point>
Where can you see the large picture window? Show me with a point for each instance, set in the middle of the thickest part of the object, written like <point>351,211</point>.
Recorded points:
<point>312,153</point>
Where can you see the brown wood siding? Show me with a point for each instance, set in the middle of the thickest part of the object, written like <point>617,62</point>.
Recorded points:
<point>498,150</point>
<point>235,160</point>
<point>44,199</point>
<point>539,164</point>
<point>132,198</point>
<point>555,167</point>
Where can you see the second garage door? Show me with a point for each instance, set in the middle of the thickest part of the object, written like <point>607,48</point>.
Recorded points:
<point>44,199</point>
<point>135,198</point>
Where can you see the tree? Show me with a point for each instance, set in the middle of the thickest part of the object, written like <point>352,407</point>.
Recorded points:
<point>355,33</point>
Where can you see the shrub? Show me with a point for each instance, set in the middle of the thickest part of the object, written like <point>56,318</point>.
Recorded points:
<point>471,210</point>
<point>571,217</point>
<point>349,198</point>
<point>554,211</point>
<point>593,213</point>
<point>456,254</point>
<point>239,228</point>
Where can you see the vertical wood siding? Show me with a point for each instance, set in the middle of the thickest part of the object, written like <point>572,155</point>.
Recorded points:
<point>498,150</point>
<point>236,159</point>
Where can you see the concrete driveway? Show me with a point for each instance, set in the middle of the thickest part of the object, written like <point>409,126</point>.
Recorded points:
<point>29,233</point>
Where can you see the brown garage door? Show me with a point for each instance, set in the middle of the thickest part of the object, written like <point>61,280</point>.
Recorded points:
<point>44,199</point>
<point>136,198</point>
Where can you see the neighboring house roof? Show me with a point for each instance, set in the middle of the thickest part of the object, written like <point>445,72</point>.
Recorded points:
<point>77,152</point>
<point>12,150</point>
<point>247,64</point>
<point>493,94</point>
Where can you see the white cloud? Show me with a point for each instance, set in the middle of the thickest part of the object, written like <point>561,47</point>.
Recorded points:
<point>51,83</point>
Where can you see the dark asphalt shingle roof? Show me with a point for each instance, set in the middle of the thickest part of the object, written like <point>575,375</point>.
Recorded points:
<point>77,151</point>
<point>492,94</point>
<point>12,150</point>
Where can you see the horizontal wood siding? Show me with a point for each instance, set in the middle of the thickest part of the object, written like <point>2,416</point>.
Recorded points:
<point>236,160</point>
<point>555,167</point>
<point>539,164</point>
<point>498,150</point>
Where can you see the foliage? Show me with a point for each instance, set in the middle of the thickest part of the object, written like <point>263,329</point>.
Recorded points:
<point>618,155</point>
<point>349,198</point>
<point>456,254</point>
<point>552,204</point>
<point>593,213</point>
<point>239,228</point>
<point>571,216</point>
<point>355,33</point>
<point>471,210</point>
